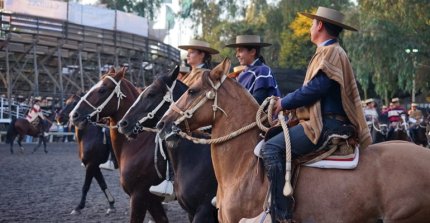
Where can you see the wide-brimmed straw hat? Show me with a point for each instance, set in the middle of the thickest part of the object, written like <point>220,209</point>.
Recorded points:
<point>248,40</point>
<point>331,16</point>
<point>369,100</point>
<point>199,45</point>
<point>414,104</point>
<point>395,100</point>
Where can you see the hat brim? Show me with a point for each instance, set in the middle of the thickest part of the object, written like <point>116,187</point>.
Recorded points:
<point>202,48</point>
<point>312,16</point>
<point>233,45</point>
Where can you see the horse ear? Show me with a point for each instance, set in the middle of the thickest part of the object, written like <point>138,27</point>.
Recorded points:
<point>111,70</point>
<point>221,69</point>
<point>174,73</point>
<point>121,73</point>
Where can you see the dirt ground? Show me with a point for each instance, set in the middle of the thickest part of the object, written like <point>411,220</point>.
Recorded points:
<point>43,187</point>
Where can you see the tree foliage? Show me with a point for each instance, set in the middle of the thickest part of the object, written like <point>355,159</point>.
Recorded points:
<point>144,8</point>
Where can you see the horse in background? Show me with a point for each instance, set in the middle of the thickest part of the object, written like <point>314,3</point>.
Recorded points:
<point>191,162</point>
<point>421,136</point>
<point>391,181</point>
<point>21,127</point>
<point>378,131</point>
<point>111,97</point>
<point>93,150</point>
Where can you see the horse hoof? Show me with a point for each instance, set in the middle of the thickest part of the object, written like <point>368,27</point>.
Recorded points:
<point>75,212</point>
<point>110,210</point>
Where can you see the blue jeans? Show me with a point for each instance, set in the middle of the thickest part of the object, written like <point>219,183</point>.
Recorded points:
<point>273,155</point>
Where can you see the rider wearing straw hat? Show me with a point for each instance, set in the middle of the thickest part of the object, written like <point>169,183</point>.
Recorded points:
<point>256,77</point>
<point>199,56</point>
<point>328,99</point>
<point>370,111</point>
<point>415,117</point>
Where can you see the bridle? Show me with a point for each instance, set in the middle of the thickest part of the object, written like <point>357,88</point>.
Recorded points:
<point>167,98</point>
<point>210,94</point>
<point>97,110</point>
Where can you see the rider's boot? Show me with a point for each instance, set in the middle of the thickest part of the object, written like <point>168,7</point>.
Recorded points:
<point>108,165</point>
<point>165,189</point>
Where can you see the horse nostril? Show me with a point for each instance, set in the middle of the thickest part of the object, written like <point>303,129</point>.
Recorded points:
<point>160,125</point>
<point>123,123</point>
<point>75,115</point>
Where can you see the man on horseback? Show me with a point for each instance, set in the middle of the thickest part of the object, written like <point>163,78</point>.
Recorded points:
<point>328,100</point>
<point>394,114</point>
<point>256,76</point>
<point>35,115</point>
<point>415,118</point>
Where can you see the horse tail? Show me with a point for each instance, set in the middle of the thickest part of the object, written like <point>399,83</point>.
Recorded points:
<point>11,131</point>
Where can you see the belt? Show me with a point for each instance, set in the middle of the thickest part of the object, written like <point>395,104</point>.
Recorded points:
<point>341,118</point>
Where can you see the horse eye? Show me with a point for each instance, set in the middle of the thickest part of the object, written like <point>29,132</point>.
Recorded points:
<point>102,90</point>
<point>191,91</point>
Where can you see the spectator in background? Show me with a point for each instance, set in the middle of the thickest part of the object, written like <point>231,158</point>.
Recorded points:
<point>394,113</point>
<point>415,118</point>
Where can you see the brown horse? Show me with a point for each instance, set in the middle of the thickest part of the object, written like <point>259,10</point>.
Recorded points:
<point>391,182</point>
<point>111,97</point>
<point>92,152</point>
<point>21,127</point>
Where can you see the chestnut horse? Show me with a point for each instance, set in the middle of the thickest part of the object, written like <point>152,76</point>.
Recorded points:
<point>191,162</point>
<point>391,182</point>
<point>92,152</point>
<point>21,127</point>
<point>111,97</point>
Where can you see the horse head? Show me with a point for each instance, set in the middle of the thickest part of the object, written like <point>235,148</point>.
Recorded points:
<point>102,100</point>
<point>63,115</point>
<point>151,104</point>
<point>199,106</point>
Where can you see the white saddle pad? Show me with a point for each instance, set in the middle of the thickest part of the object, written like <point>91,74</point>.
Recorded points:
<point>338,162</point>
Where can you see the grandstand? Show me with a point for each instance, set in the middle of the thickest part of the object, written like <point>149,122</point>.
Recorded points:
<point>53,48</point>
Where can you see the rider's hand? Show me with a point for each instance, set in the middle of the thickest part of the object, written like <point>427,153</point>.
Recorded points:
<point>278,107</point>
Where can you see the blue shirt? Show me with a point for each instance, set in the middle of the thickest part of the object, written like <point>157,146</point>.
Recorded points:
<point>257,78</point>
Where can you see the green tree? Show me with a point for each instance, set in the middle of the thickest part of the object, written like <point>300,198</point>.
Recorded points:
<point>144,8</point>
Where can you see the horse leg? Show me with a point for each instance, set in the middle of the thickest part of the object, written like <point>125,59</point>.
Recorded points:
<point>38,144</point>
<point>206,213</point>
<point>12,139</point>
<point>44,144</point>
<point>89,173</point>
<point>155,208</point>
<point>20,138</point>
<point>138,207</point>
<point>102,183</point>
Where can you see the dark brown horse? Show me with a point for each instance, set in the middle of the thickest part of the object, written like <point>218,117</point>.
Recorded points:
<point>111,97</point>
<point>420,136</point>
<point>378,131</point>
<point>21,127</point>
<point>191,162</point>
<point>92,151</point>
<point>391,182</point>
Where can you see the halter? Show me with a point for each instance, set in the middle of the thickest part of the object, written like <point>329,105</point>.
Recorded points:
<point>100,108</point>
<point>167,98</point>
<point>209,95</point>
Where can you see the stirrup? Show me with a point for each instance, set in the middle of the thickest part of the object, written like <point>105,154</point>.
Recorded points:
<point>164,189</point>
<point>107,166</point>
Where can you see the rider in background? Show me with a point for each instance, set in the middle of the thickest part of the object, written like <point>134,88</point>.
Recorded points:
<point>415,118</point>
<point>256,76</point>
<point>35,115</point>
<point>394,113</point>
<point>370,111</point>
<point>328,100</point>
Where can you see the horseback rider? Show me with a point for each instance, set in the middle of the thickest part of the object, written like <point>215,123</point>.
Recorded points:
<point>394,113</point>
<point>328,100</point>
<point>256,76</point>
<point>199,56</point>
<point>415,118</point>
<point>35,115</point>
<point>370,112</point>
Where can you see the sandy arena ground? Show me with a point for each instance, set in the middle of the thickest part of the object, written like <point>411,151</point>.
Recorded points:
<point>43,187</point>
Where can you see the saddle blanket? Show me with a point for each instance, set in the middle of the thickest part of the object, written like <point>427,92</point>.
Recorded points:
<point>331,162</point>
<point>338,162</point>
